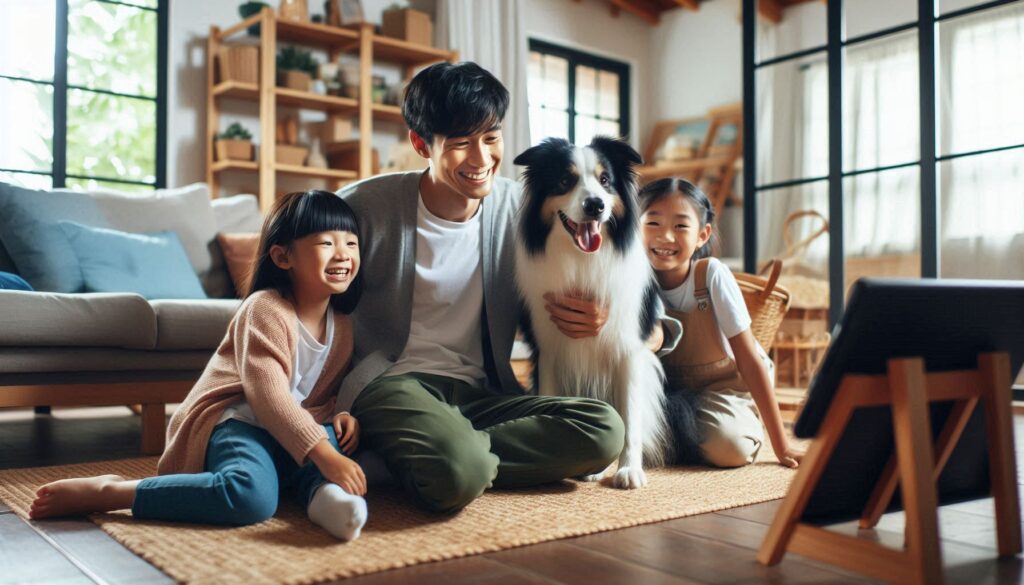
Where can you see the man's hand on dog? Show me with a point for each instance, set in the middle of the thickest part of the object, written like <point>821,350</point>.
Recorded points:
<point>575,314</point>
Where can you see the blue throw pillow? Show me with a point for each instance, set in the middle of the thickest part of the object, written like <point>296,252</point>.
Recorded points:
<point>38,247</point>
<point>152,265</point>
<point>13,282</point>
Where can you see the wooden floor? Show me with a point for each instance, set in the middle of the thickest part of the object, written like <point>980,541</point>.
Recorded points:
<point>710,548</point>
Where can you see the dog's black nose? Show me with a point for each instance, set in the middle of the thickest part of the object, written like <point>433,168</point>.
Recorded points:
<point>593,206</point>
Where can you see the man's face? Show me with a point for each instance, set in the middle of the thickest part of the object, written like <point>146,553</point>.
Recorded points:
<point>467,164</point>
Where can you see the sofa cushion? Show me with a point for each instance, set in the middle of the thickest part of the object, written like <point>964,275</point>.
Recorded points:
<point>27,227</point>
<point>238,213</point>
<point>152,265</point>
<point>77,320</point>
<point>240,255</point>
<point>183,325</point>
<point>11,281</point>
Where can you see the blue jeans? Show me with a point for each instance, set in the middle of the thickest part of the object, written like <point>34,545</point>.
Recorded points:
<point>246,469</point>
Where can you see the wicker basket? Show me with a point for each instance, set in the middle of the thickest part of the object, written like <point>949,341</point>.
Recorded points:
<point>767,302</point>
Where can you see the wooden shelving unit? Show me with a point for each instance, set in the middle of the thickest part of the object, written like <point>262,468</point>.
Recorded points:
<point>361,41</point>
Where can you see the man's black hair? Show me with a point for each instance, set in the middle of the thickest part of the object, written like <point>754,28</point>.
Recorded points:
<point>457,99</point>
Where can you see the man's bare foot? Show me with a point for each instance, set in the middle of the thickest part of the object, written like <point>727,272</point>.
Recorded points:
<point>68,497</point>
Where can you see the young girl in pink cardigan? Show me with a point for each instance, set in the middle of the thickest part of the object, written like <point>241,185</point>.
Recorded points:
<point>261,417</point>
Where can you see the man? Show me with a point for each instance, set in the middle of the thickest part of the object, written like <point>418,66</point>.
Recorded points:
<point>433,389</point>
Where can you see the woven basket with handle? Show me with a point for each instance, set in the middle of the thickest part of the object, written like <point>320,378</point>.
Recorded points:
<point>766,300</point>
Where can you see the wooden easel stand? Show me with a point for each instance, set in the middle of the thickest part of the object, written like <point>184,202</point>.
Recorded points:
<point>916,464</point>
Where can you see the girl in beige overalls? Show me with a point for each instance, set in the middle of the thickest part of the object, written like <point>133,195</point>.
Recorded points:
<point>718,357</point>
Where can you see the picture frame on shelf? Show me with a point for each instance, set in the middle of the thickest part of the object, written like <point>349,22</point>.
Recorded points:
<point>351,12</point>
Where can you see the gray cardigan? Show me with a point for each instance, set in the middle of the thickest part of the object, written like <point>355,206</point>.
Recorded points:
<point>386,207</point>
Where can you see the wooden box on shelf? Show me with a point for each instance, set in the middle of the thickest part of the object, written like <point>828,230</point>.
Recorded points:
<point>290,154</point>
<point>234,149</point>
<point>335,129</point>
<point>239,63</point>
<point>409,25</point>
<point>345,155</point>
<point>293,79</point>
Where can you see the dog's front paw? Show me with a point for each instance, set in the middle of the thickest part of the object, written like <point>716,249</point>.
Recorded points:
<point>629,478</point>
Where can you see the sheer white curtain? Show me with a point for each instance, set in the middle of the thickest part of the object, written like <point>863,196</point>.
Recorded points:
<point>490,33</point>
<point>981,85</point>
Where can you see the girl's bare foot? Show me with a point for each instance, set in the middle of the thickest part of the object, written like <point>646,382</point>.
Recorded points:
<point>83,495</point>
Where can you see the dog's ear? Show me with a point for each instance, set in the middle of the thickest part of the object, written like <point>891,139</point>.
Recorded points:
<point>616,148</point>
<point>528,156</point>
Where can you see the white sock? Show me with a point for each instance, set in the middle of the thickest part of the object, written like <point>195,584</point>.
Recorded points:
<point>337,511</point>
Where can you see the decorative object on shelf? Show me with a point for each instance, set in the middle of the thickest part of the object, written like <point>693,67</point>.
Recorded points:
<point>328,73</point>
<point>235,143</point>
<point>288,151</point>
<point>349,12</point>
<point>335,129</point>
<point>247,9</point>
<point>318,87</point>
<point>349,78</point>
<point>345,155</point>
<point>239,63</point>
<point>403,157</point>
<point>294,10</point>
<point>316,156</point>
<point>401,22</point>
<point>394,93</point>
<point>295,68</point>
<point>332,10</point>
<point>317,18</point>
<point>379,89</point>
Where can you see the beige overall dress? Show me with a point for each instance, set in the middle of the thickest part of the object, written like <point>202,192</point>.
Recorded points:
<point>727,417</point>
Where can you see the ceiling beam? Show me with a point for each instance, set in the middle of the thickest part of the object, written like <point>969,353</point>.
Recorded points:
<point>689,4</point>
<point>644,13</point>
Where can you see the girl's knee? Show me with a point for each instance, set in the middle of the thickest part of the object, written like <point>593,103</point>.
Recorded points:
<point>246,499</point>
<point>730,450</point>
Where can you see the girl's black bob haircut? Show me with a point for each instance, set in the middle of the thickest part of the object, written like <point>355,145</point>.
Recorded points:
<point>662,188</point>
<point>294,216</point>
<point>454,99</point>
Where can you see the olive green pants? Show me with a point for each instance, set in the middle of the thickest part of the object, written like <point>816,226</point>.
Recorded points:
<point>446,441</point>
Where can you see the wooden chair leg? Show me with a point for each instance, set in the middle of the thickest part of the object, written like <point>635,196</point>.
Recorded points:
<point>153,429</point>
<point>882,496</point>
<point>995,369</point>
<point>811,468</point>
<point>915,457</point>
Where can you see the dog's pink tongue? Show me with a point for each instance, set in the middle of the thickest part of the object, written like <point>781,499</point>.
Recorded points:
<point>588,236</point>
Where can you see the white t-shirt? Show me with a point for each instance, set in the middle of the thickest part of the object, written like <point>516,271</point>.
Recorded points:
<point>726,299</point>
<point>310,356</point>
<point>447,301</point>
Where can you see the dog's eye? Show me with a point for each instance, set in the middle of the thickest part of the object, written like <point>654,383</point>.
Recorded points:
<point>604,179</point>
<point>566,182</point>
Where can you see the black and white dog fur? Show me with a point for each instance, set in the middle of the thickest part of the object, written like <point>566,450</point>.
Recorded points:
<point>579,230</point>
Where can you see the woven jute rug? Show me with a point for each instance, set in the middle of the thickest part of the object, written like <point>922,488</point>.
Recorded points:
<point>290,549</point>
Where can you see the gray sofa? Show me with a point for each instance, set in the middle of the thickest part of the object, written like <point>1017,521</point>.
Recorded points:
<point>94,349</point>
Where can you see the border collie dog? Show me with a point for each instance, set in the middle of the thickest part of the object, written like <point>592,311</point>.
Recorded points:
<point>579,232</point>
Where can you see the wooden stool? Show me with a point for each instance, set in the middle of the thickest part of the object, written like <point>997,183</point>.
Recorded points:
<point>917,464</point>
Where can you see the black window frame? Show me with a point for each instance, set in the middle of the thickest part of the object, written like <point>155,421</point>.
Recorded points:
<point>58,171</point>
<point>576,57</point>
<point>926,25</point>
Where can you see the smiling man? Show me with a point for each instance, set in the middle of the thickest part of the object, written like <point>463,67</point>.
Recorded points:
<point>433,388</point>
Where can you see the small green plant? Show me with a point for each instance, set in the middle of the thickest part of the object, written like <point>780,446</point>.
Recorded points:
<point>235,132</point>
<point>292,59</point>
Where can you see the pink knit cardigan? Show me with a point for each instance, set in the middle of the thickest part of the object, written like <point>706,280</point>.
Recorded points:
<point>254,361</point>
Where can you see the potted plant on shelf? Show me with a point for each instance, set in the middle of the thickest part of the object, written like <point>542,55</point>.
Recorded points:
<point>235,143</point>
<point>295,68</point>
<point>247,9</point>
